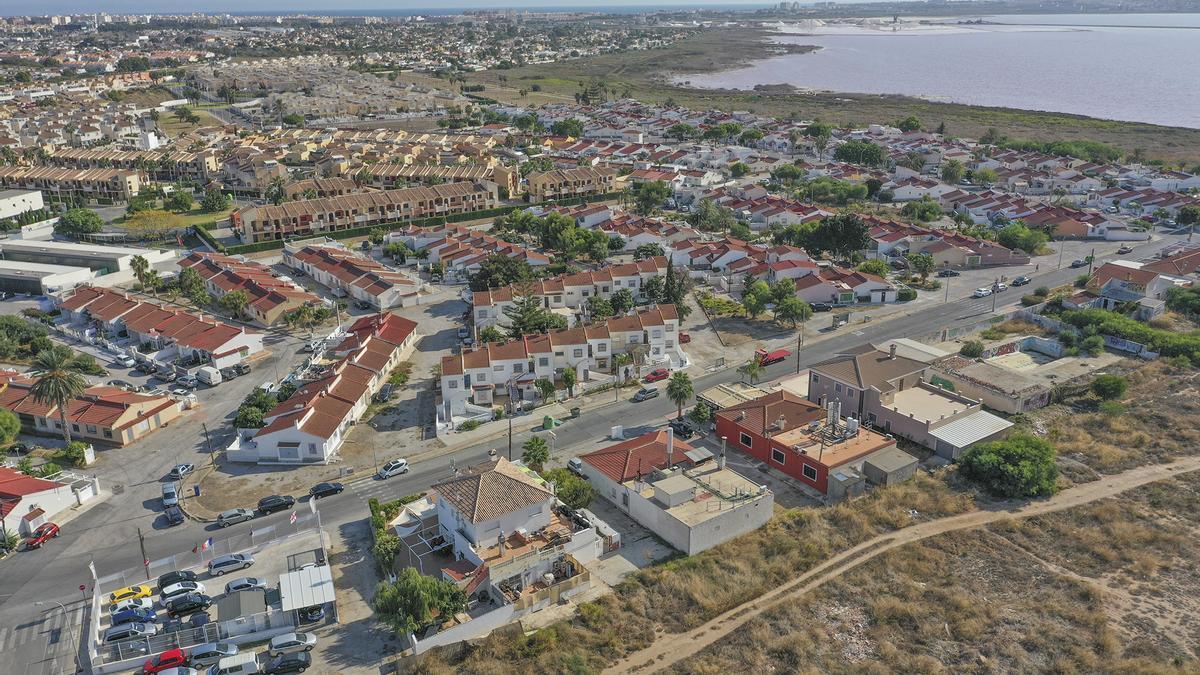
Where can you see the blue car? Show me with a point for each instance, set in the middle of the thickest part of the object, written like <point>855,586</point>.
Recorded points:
<point>134,614</point>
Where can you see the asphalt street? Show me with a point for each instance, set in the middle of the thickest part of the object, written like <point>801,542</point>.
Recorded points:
<point>40,639</point>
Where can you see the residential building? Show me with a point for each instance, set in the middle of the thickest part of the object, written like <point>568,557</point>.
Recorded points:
<point>101,414</point>
<point>461,250</point>
<point>27,502</point>
<point>678,492</point>
<point>13,203</point>
<point>565,183</point>
<point>95,186</point>
<point>270,298</point>
<point>348,274</point>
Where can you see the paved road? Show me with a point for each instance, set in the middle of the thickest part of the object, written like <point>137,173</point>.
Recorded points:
<point>107,532</point>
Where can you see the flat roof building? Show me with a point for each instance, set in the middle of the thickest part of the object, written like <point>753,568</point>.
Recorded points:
<point>105,259</point>
<point>39,279</point>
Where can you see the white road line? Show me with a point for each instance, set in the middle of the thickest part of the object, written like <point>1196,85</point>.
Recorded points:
<point>3,635</point>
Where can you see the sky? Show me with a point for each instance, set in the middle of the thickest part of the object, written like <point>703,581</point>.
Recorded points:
<point>21,7</point>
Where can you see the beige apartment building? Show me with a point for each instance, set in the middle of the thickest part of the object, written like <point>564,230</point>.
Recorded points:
<point>563,183</point>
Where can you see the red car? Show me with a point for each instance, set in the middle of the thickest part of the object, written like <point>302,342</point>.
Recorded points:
<point>44,533</point>
<point>172,658</point>
<point>658,374</point>
<point>684,338</point>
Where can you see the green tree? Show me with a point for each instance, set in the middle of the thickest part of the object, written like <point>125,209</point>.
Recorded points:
<point>498,271</point>
<point>793,310</point>
<point>679,389</point>
<point>755,298</point>
<point>782,290</point>
<point>180,201</point>
<point>739,169</point>
<point>924,209</point>
<point>1189,215</point>
<point>752,370</point>
<point>79,221</point>
<point>140,267</point>
<point>921,263</point>
<point>861,152</point>
<point>621,301</point>
<point>57,383</point>
<point>1017,467</point>
<point>953,171</point>
<point>10,426</point>
<point>235,303</point>
<point>875,266</point>
<point>654,288</point>
<point>535,452</point>
<point>414,600</point>
<point>986,177</point>
<point>910,123</point>
<point>215,201</point>
<point>649,197</point>
<point>1109,387</point>
<point>1018,235</point>
<point>570,489</point>
<point>569,378</point>
<point>701,414</point>
<point>972,349</point>
<point>649,250</point>
<point>73,454</point>
<point>248,417</point>
<point>681,132</point>
<point>840,236</point>
<point>491,334</point>
<point>711,217</point>
<point>276,192</point>
<point>545,389</point>
<point>572,127</point>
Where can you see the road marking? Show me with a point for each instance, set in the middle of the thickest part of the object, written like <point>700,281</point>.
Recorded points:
<point>3,634</point>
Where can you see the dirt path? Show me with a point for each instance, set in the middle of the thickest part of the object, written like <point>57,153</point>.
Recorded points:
<point>671,648</point>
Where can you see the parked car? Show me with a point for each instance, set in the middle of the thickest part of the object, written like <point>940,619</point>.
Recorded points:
<point>464,332</point>
<point>276,503</point>
<point>362,304</point>
<point>822,307</point>
<point>645,393</point>
<point>1125,249</point>
<point>948,273</point>
<point>172,578</point>
<point>290,643</point>
<point>999,286</point>
<point>167,375</point>
<point>1078,263</point>
<point>228,373</point>
<point>180,470</point>
<point>982,292</point>
<point>385,393</point>
<point>125,361</point>
<point>681,428</point>
<point>289,663</point>
<point>684,338</point>
<point>241,368</point>
<point>174,515</point>
<point>146,602</point>
<point>130,593</point>
<point>134,615</point>
<point>210,653</point>
<point>119,383</point>
<point>1021,280</point>
<point>188,381</point>
<point>129,631</point>
<point>180,588</point>
<point>181,670</point>
<point>19,449</point>
<point>312,614</point>
<point>326,490</point>
<point>229,562</point>
<point>170,495</point>
<point>575,465</point>
<point>395,467</point>
<point>172,658</point>
<point>44,533</point>
<point>190,603</point>
<point>234,516</point>
<point>245,584</point>
<point>658,374</point>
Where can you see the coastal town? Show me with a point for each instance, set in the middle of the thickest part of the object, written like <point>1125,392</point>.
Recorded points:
<point>453,372</point>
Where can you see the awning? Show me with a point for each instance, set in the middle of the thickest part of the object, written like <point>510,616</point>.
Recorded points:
<point>698,455</point>
<point>306,587</point>
<point>964,431</point>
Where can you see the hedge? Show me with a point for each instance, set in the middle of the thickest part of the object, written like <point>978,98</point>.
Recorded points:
<point>350,233</point>
<point>202,232</point>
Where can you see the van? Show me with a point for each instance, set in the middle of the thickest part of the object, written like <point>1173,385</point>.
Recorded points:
<point>209,375</point>
<point>125,361</point>
<point>236,665</point>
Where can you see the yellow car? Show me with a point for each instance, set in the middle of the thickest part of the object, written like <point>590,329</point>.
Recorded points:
<point>130,593</point>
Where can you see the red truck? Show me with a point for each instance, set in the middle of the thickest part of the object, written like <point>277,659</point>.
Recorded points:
<point>766,358</point>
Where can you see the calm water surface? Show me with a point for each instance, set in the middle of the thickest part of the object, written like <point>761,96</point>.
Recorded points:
<point>1143,68</point>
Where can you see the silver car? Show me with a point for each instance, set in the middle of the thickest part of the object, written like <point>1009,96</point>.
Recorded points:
<point>234,516</point>
<point>289,643</point>
<point>229,562</point>
<point>131,631</point>
<point>170,495</point>
<point>246,584</point>
<point>181,588</point>
<point>209,654</point>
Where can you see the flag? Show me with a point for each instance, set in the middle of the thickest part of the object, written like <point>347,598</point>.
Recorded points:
<point>196,548</point>
<point>207,544</point>
<point>312,505</point>
<point>179,240</point>
<point>92,567</point>
<point>292,520</point>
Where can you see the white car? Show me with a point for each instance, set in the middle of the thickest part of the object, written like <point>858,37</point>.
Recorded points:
<point>181,588</point>
<point>1001,286</point>
<point>982,292</point>
<point>289,643</point>
<point>393,468</point>
<point>245,584</point>
<point>132,603</point>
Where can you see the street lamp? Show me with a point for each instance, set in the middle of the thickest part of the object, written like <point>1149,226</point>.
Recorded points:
<point>74,643</point>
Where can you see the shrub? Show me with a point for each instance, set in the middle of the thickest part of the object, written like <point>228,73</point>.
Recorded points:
<point>1018,466</point>
<point>1092,345</point>
<point>469,425</point>
<point>1043,291</point>
<point>1031,300</point>
<point>1109,387</point>
<point>1081,281</point>
<point>10,426</point>
<point>74,454</point>
<point>906,295</point>
<point>1111,409</point>
<point>971,349</point>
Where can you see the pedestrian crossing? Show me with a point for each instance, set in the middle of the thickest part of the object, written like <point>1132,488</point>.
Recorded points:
<point>41,628</point>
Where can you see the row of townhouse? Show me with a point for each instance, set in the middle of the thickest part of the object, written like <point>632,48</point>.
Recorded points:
<point>351,275</point>
<point>461,250</point>
<point>321,188</point>
<point>100,414</point>
<point>731,254</point>
<point>1143,202</point>
<point>310,426</point>
<point>895,239</point>
<point>391,176</point>
<point>566,183</point>
<point>318,216</point>
<point>172,336</point>
<point>270,297</point>
<point>98,186</point>
<point>162,165</point>
<point>474,376</point>
<point>763,210</point>
<point>995,208</point>
<point>568,291</point>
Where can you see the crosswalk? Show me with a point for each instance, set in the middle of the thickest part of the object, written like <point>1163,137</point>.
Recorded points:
<point>51,628</point>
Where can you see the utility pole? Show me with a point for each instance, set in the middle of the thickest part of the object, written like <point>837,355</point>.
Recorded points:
<point>1091,261</point>
<point>1062,246</point>
<point>145,558</point>
<point>799,346</point>
<point>947,298</point>
<point>208,444</point>
<point>74,643</point>
<point>510,434</point>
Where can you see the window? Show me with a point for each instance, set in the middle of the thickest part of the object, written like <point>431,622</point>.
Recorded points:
<point>454,384</point>
<point>108,433</point>
<point>518,368</point>
<point>482,377</point>
<point>601,348</point>
<point>809,472</point>
<point>656,334</point>
<point>498,369</point>
<point>816,378</point>
<point>74,427</point>
<point>578,353</point>
<point>91,428</point>
<point>746,440</point>
<point>543,361</point>
<point>838,387</point>
<point>849,392</point>
<point>777,456</point>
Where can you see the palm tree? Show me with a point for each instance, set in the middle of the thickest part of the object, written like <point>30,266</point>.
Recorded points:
<point>535,453</point>
<point>140,266</point>
<point>153,282</point>
<point>57,383</point>
<point>753,369</point>
<point>679,390</point>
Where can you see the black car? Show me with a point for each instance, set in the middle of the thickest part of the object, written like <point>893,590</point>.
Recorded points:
<point>145,367</point>
<point>289,663</point>
<point>19,449</point>
<point>172,578</point>
<point>326,490</point>
<point>362,304</point>
<point>645,394</point>
<point>682,428</point>
<point>228,374</point>
<point>1075,264</point>
<point>822,307</point>
<point>312,614</point>
<point>276,503</point>
<point>190,603</point>
<point>1021,280</point>
<point>241,368</point>
<point>948,273</point>
<point>174,515</point>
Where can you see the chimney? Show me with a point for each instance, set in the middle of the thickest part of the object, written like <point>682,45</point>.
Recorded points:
<point>500,542</point>
<point>721,458</point>
<point>892,351</point>
<point>670,446</point>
